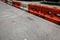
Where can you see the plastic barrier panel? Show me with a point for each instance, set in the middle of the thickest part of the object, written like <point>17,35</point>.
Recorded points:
<point>49,13</point>
<point>5,1</point>
<point>16,4</point>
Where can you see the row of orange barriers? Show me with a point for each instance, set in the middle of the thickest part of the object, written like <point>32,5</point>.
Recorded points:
<point>47,12</point>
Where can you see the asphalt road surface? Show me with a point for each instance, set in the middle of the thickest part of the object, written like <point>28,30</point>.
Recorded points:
<point>16,24</point>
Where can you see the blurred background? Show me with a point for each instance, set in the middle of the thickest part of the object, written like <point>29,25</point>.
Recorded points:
<point>41,0</point>
<point>49,2</point>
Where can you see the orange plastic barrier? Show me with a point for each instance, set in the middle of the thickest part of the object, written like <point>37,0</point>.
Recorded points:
<point>47,12</point>
<point>5,1</point>
<point>16,4</point>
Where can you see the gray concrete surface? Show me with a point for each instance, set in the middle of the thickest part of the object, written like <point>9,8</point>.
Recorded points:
<point>16,24</point>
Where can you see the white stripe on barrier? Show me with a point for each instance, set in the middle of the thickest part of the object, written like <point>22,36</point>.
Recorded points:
<point>9,2</point>
<point>24,6</point>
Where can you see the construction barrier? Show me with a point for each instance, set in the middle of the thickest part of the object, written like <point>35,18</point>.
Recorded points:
<point>47,12</point>
<point>6,1</point>
<point>16,4</point>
